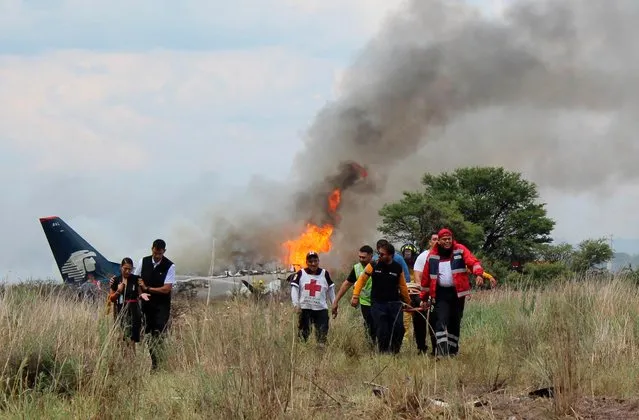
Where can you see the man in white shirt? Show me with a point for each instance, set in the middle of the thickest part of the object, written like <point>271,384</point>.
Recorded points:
<point>420,324</point>
<point>157,277</point>
<point>420,261</point>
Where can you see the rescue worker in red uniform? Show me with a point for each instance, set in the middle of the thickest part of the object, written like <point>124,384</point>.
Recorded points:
<point>446,280</point>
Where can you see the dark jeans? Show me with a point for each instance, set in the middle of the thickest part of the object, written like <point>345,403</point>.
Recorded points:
<point>423,324</point>
<point>449,310</point>
<point>389,325</point>
<point>319,319</point>
<point>156,319</point>
<point>369,324</point>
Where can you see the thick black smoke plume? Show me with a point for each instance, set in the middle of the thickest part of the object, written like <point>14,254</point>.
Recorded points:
<point>551,89</point>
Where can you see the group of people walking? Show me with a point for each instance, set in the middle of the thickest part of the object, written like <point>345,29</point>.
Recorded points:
<point>384,292</point>
<point>141,296</point>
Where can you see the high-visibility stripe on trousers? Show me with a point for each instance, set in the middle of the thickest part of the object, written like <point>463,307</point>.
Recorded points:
<point>449,310</point>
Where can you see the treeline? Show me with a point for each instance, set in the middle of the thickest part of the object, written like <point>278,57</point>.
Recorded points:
<point>497,214</point>
<point>562,260</point>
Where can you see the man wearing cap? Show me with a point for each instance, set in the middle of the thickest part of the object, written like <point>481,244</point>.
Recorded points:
<point>388,290</point>
<point>312,290</point>
<point>446,281</point>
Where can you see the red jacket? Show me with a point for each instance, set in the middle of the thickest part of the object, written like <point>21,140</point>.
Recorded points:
<point>460,259</point>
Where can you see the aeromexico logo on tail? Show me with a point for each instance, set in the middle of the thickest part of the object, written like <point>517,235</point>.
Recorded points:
<point>79,264</point>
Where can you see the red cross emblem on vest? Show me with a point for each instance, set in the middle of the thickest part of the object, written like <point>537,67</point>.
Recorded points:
<point>313,287</point>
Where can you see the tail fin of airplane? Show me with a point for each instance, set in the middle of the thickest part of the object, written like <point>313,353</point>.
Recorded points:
<point>76,259</point>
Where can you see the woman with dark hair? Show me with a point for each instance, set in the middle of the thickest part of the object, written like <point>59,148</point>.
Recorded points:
<point>125,295</point>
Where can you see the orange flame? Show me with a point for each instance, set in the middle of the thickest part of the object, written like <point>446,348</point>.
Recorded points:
<point>314,238</point>
<point>334,199</point>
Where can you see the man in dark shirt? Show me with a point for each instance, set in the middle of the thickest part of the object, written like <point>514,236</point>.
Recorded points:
<point>388,290</point>
<point>157,279</point>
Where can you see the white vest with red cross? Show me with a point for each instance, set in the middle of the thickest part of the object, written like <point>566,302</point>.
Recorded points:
<point>313,289</point>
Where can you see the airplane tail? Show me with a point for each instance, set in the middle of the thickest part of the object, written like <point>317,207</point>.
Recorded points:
<point>76,259</point>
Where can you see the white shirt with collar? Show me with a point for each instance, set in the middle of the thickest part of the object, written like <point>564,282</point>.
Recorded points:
<point>170,275</point>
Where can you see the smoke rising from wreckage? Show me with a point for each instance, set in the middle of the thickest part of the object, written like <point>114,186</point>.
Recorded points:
<point>540,91</point>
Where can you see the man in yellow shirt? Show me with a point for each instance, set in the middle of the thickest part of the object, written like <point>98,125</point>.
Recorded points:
<point>388,290</point>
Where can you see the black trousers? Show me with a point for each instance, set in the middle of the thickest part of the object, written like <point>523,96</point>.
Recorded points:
<point>130,320</point>
<point>156,319</point>
<point>369,324</point>
<point>317,318</point>
<point>423,325</point>
<point>389,325</point>
<point>449,310</point>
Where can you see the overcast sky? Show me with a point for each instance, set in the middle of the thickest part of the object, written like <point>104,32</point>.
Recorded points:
<point>129,119</point>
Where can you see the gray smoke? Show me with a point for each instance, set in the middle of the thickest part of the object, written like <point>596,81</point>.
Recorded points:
<point>550,90</point>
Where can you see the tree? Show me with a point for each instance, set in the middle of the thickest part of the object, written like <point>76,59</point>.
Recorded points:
<point>561,253</point>
<point>591,253</point>
<point>416,215</point>
<point>501,203</point>
<point>544,273</point>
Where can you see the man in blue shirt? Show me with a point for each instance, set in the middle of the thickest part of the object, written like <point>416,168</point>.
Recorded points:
<point>397,258</point>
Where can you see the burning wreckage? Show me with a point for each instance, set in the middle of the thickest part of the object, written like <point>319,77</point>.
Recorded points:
<point>322,204</point>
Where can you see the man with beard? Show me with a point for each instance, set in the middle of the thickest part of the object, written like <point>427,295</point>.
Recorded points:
<point>447,280</point>
<point>396,257</point>
<point>388,290</point>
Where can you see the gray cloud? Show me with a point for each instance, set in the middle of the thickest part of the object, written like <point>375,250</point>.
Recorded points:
<point>550,90</point>
<point>119,215</point>
<point>126,154</point>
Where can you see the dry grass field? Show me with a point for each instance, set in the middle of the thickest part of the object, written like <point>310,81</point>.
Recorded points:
<point>240,360</point>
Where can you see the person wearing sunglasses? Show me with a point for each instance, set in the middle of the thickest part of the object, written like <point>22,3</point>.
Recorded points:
<point>389,294</point>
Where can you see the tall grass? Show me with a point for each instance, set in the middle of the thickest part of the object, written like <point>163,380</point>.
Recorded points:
<point>61,358</point>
